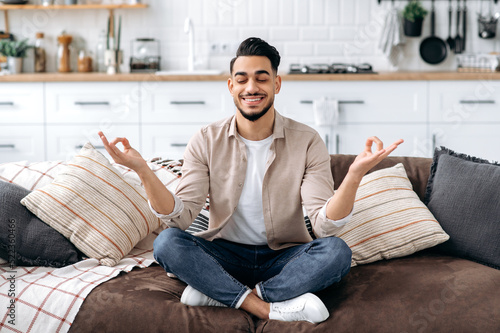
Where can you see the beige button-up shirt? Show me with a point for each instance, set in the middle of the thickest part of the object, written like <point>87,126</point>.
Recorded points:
<point>297,175</point>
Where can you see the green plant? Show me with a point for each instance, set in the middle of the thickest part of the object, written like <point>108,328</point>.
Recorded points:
<point>16,49</point>
<point>414,10</point>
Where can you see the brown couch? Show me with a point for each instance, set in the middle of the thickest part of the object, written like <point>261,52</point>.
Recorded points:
<point>425,292</point>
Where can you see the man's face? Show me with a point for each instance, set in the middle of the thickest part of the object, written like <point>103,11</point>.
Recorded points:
<point>253,85</point>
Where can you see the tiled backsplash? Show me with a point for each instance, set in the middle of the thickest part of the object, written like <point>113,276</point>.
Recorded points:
<point>304,31</point>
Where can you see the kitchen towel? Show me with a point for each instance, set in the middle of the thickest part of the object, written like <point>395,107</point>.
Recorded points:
<point>326,111</point>
<point>392,39</point>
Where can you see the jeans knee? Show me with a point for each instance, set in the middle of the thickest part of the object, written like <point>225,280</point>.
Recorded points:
<point>165,244</point>
<point>342,252</point>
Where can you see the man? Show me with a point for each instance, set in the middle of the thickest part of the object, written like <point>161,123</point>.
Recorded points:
<point>260,169</point>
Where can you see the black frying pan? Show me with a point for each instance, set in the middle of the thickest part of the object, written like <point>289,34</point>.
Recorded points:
<point>433,49</point>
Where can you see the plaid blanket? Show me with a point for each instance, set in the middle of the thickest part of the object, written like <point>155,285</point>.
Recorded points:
<point>44,299</point>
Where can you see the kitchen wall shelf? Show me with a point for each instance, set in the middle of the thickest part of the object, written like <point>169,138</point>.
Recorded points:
<point>379,1</point>
<point>110,7</point>
<point>79,6</point>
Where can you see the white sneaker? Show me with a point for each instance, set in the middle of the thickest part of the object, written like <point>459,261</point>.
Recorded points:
<point>307,307</point>
<point>193,297</point>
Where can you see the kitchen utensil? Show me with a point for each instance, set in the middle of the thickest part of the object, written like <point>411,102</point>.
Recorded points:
<point>487,23</point>
<point>433,49</point>
<point>450,41</point>
<point>458,39</point>
<point>464,25</point>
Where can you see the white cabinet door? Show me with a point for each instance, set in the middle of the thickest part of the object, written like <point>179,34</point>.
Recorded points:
<point>185,102</point>
<point>359,101</point>
<point>64,141</point>
<point>166,141</point>
<point>21,103</point>
<point>465,117</point>
<point>351,139</point>
<point>21,142</point>
<point>457,102</point>
<point>479,140</point>
<point>93,102</point>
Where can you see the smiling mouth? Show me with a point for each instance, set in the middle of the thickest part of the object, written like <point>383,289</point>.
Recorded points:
<point>252,99</point>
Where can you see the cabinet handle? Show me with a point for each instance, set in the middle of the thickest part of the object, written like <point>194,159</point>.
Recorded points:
<point>340,102</point>
<point>434,142</point>
<point>337,144</point>
<point>92,103</point>
<point>178,145</point>
<point>327,143</point>
<point>187,102</point>
<point>486,101</point>
<point>96,147</point>
<point>7,103</point>
<point>9,145</point>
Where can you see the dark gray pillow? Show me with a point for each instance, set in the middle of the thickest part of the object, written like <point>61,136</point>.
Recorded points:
<point>463,193</point>
<point>25,238</point>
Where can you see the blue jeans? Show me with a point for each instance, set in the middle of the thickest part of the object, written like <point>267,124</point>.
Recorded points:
<point>226,271</point>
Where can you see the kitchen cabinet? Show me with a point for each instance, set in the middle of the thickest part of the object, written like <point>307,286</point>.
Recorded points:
<point>93,102</point>
<point>21,121</point>
<point>466,118</point>
<point>51,120</point>
<point>66,140</point>
<point>172,112</point>
<point>389,110</point>
<point>22,142</point>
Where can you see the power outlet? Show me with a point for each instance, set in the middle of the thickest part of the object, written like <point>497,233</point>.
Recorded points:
<point>221,48</point>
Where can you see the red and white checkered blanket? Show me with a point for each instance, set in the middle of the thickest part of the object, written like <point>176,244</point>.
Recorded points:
<point>44,299</point>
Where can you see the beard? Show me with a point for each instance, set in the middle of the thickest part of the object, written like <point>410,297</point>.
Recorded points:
<point>253,116</point>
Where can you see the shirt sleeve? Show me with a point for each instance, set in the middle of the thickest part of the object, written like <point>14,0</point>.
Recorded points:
<point>166,218</point>
<point>337,223</point>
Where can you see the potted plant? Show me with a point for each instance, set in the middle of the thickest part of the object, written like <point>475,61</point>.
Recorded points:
<point>15,51</point>
<point>413,15</point>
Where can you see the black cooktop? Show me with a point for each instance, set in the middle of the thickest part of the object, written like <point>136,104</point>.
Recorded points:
<point>336,68</point>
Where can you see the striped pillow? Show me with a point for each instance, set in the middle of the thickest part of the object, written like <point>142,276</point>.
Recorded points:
<point>92,205</point>
<point>389,220</point>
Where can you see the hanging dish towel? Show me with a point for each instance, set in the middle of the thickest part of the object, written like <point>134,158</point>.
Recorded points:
<point>326,111</point>
<point>392,39</point>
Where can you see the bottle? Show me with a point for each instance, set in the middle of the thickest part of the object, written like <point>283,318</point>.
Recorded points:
<point>40,55</point>
<point>99,54</point>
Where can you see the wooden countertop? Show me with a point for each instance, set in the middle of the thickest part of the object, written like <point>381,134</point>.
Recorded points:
<point>382,76</point>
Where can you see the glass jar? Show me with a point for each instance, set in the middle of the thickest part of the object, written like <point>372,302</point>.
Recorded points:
<point>40,55</point>
<point>63,53</point>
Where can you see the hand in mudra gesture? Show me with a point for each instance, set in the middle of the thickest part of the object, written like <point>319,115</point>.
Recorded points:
<point>129,157</point>
<point>368,159</point>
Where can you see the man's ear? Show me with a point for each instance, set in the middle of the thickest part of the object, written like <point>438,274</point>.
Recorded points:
<point>230,85</point>
<point>277,84</point>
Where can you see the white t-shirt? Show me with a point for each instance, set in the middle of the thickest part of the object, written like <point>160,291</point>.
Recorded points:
<point>246,225</point>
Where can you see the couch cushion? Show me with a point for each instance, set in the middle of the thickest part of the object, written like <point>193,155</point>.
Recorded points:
<point>24,239</point>
<point>92,205</point>
<point>463,193</point>
<point>424,292</point>
<point>147,300</point>
<point>389,220</point>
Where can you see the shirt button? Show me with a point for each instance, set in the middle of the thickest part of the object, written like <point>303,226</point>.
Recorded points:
<point>244,159</point>
<point>240,184</point>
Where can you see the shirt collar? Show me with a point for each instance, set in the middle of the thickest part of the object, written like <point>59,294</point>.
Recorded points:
<point>278,131</point>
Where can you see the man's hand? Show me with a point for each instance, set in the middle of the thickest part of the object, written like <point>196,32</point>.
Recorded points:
<point>342,202</point>
<point>129,157</point>
<point>368,159</point>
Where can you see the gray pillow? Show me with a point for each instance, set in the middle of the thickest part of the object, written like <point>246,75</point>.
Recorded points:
<point>27,241</point>
<point>463,193</point>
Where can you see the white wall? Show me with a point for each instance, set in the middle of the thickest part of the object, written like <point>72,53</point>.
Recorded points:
<point>304,31</point>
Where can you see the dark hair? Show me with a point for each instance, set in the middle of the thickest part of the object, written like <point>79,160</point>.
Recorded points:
<point>255,46</point>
